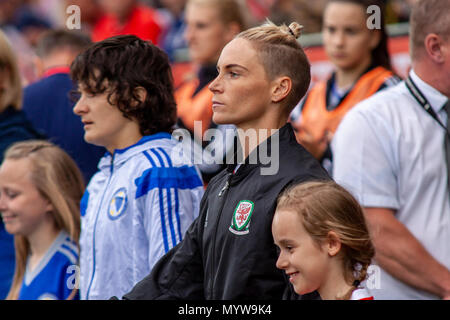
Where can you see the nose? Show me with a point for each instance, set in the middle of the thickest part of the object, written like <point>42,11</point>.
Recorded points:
<point>215,86</point>
<point>3,206</point>
<point>189,33</point>
<point>80,107</point>
<point>282,262</point>
<point>339,39</point>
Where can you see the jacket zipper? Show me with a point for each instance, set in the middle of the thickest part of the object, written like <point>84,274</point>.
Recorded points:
<point>95,227</point>
<point>221,193</point>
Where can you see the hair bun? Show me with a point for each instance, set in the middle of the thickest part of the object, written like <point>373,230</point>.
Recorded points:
<point>295,29</point>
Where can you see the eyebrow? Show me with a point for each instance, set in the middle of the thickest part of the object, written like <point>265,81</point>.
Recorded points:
<point>283,242</point>
<point>229,66</point>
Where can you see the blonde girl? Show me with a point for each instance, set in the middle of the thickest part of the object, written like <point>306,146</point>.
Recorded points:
<point>323,239</point>
<point>40,192</point>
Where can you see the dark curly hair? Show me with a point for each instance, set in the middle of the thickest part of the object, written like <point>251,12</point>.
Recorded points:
<point>126,62</point>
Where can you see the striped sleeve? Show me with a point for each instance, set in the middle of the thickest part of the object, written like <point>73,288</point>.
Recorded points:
<point>164,192</point>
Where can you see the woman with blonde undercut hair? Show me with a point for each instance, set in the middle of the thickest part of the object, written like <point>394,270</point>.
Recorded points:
<point>13,127</point>
<point>228,253</point>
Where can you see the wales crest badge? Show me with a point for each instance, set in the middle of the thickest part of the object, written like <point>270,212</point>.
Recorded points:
<point>240,221</point>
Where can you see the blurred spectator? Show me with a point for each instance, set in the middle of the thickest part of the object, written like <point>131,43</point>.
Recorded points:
<point>306,12</point>
<point>401,9</point>
<point>362,65</point>
<point>172,39</point>
<point>126,17</point>
<point>20,14</point>
<point>211,24</point>
<point>13,127</point>
<point>393,152</point>
<point>47,103</point>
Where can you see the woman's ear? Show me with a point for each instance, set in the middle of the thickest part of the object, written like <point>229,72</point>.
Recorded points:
<point>333,244</point>
<point>281,88</point>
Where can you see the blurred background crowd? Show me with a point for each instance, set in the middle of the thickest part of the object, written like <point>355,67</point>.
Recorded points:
<point>162,21</point>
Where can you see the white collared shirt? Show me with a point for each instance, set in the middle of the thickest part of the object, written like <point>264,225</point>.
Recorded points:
<point>389,152</point>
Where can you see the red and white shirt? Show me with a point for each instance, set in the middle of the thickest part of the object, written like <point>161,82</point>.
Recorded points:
<point>361,293</point>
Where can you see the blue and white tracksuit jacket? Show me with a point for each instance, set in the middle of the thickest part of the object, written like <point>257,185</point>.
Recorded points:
<point>136,208</point>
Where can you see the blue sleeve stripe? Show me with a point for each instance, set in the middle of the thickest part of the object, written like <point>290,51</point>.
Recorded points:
<point>177,213</point>
<point>166,156</point>
<point>158,156</point>
<point>149,158</point>
<point>69,255</point>
<point>163,222</point>
<point>170,217</point>
<point>84,203</point>
<point>184,177</point>
<point>72,248</point>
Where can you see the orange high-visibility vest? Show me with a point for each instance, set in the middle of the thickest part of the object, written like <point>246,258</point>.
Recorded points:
<point>316,119</point>
<point>194,108</point>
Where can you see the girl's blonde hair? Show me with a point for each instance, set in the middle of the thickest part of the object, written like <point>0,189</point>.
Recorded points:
<point>325,206</point>
<point>58,179</point>
<point>8,65</point>
<point>282,55</point>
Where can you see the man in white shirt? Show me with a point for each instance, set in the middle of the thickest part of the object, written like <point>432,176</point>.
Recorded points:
<point>389,151</point>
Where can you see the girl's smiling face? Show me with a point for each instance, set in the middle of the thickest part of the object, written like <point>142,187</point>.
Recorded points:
<point>22,206</point>
<point>305,262</point>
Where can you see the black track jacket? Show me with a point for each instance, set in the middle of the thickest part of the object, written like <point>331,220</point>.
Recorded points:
<point>228,252</point>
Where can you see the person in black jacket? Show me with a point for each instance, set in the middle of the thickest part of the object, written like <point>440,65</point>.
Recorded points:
<point>228,252</point>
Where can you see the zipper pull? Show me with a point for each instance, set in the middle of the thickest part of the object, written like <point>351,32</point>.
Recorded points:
<point>224,188</point>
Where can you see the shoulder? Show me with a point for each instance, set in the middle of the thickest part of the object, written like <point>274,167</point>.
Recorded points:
<point>161,166</point>
<point>384,105</point>
<point>390,81</point>
<point>291,162</point>
<point>68,250</point>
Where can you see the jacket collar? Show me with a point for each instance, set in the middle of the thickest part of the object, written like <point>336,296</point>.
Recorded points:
<point>121,155</point>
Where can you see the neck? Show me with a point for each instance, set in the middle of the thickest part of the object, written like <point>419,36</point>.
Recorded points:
<point>58,60</point>
<point>128,137</point>
<point>432,74</point>
<point>61,59</point>
<point>346,77</point>
<point>42,238</point>
<point>334,285</point>
<point>253,133</point>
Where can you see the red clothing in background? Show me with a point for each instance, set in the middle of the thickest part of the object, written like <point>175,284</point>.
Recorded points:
<point>142,22</point>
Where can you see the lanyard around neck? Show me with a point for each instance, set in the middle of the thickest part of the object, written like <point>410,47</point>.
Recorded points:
<point>423,102</point>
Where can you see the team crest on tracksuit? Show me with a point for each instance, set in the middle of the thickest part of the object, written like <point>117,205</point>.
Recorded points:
<point>118,204</point>
<point>240,221</point>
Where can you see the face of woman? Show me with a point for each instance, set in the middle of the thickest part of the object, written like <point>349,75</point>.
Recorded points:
<point>205,33</point>
<point>347,40</point>
<point>242,91</point>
